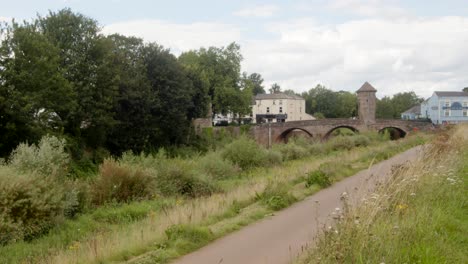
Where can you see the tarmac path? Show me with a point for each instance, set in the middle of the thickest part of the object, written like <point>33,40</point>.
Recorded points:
<point>280,238</point>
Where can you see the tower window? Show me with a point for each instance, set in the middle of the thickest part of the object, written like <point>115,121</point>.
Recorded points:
<point>281,109</point>
<point>268,109</point>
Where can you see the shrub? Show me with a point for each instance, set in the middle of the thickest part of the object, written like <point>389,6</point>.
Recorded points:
<point>216,167</point>
<point>48,157</point>
<point>30,205</point>
<point>292,151</point>
<point>276,196</point>
<point>318,177</point>
<point>121,184</point>
<point>177,177</point>
<point>273,157</point>
<point>245,153</point>
<point>361,141</point>
<point>187,238</point>
<point>317,149</point>
<point>342,142</point>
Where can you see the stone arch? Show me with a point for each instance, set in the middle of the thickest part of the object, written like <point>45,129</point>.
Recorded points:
<point>395,132</point>
<point>286,134</point>
<point>328,134</point>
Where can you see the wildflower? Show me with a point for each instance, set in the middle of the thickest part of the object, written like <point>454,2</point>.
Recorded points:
<point>412,194</point>
<point>402,206</point>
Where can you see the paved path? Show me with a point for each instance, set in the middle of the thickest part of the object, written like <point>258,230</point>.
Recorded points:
<point>278,239</point>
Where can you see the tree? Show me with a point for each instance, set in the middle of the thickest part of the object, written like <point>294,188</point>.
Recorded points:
<point>275,88</point>
<point>290,92</point>
<point>257,82</point>
<point>465,89</point>
<point>330,104</point>
<point>392,107</point>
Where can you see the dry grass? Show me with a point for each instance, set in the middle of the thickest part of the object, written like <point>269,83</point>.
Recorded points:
<point>137,238</point>
<point>417,216</point>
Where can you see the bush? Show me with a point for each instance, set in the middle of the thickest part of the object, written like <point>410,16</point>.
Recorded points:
<point>30,205</point>
<point>216,167</point>
<point>245,153</point>
<point>342,142</point>
<point>318,177</point>
<point>276,196</point>
<point>186,238</point>
<point>273,157</point>
<point>177,177</point>
<point>292,151</point>
<point>121,184</point>
<point>48,157</point>
<point>361,141</point>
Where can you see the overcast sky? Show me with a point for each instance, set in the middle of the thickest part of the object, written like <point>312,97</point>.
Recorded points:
<point>397,46</point>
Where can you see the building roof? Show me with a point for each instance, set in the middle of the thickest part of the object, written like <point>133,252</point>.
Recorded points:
<point>277,96</point>
<point>452,94</point>
<point>366,87</point>
<point>414,110</point>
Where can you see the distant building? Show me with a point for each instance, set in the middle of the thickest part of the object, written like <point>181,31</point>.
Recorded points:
<point>367,103</point>
<point>412,114</point>
<point>278,107</point>
<point>446,107</point>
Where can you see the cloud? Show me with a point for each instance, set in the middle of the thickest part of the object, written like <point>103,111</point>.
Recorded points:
<point>176,36</point>
<point>5,19</point>
<point>368,8</point>
<point>395,55</point>
<point>257,11</point>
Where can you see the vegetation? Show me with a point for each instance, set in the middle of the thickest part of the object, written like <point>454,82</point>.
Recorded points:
<point>139,197</point>
<point>418,216</point>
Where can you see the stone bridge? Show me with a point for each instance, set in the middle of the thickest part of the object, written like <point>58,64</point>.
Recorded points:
<point>271,133</point>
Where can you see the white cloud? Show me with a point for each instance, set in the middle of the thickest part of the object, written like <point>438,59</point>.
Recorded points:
<point>368,8</point>
<point>178,37</point>
<point>257,11</point>
<point>395,55</point>
<point>5,19</point>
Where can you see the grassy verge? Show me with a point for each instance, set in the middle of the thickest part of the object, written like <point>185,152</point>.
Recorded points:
<point>419,217</point>
<point>171,227</point>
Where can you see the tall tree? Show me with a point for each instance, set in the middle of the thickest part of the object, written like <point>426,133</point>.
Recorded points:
<point>465,89</point>
<point>275,88</point>
<point>257,82</point>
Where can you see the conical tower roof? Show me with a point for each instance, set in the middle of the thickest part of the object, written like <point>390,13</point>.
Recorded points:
<point>366,87</point>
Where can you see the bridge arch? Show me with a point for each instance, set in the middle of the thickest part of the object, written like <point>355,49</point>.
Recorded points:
<point>329,133</point>
<point>394,132</point>
<point>286,134</point>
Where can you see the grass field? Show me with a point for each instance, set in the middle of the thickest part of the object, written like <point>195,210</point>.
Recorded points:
<point>419,217</point>
<point>163,228</point>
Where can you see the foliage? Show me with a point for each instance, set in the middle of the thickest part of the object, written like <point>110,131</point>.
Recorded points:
<point>275,88</point>
<point>213,165</point>
<point>121,184</point>
<point>392,107</point>
<point>245,153</point>
<point>47,158</point>
<point>318,177</point>
<point>256,81</point>
<point>31,205</point>
<point>329,103</point>
<point>176,177</point>
<point>276,196</point>
<point>292,151</point>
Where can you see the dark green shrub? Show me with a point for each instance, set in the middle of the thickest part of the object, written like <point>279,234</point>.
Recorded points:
<point>121,184</point>
<point>318,177</point>
<point>177,177</point>
<point>30,205</point>
<point>245,153</point>
<point>276,196</point>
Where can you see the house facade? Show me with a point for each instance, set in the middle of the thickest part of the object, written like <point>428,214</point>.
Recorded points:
<point>278,107</point>
<point>412,114</point>
<point>446,108</point>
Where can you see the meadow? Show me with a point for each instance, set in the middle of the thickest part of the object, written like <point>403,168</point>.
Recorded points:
<point>155,207</point>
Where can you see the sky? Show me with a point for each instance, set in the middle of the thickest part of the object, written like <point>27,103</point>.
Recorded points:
<point>396,45</point>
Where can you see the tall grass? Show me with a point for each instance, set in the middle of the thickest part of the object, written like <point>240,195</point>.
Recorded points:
<point>418,216</point>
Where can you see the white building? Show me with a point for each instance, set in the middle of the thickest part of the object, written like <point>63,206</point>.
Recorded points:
<point>278,107</point>
<point>446,107</point>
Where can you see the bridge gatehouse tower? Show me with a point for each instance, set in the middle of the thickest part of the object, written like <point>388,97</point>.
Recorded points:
<point>367,103</point>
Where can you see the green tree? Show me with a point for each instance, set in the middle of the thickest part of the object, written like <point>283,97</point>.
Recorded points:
<point>465,89</point>
<point>275,88</point>
<point>393,107</point>
<point>290,92</point>
<point>257,82</point>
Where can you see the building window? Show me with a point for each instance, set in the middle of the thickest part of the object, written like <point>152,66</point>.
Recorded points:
<point>447,112</point>
<point>447,103</point>
<point>268,109</point>
<point>300,109</point>
<point>274,102</point>
<point>281,109</point>
<point>465,108</point>
<point>259,102</point>
<point>280,102</point>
